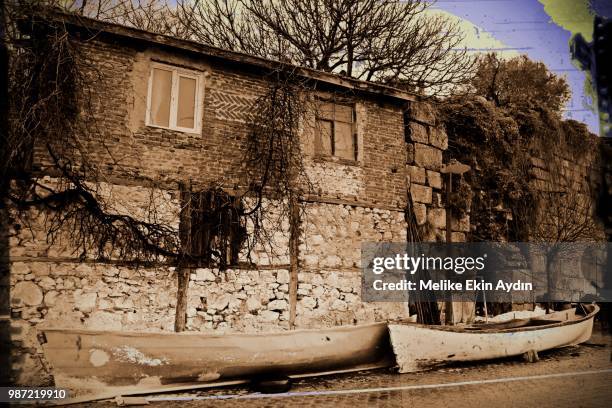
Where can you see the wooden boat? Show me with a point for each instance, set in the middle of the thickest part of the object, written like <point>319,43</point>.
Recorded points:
<point>419,347</point>
<point>85,361</point>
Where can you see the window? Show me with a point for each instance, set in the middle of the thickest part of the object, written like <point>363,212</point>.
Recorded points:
<point>174,99</point>
<point>335,131</point>
<point>212,229</point>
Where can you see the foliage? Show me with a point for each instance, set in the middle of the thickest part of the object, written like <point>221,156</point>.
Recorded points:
<point>489,141</point>
<point>49,117</point>
<point>520,81</point>
<point>506,203</point>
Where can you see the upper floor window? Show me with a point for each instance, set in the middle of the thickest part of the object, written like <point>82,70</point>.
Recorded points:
<point>174,98</point>
<point>335,130</point>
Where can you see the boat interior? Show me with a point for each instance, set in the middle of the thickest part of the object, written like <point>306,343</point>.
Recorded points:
<point>568,316</point>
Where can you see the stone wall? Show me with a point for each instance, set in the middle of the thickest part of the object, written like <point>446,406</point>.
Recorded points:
<point>426,140</point>
<point>576,178</point>
<point>54,286</point>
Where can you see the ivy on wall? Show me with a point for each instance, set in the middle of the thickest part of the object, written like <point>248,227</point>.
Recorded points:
<point>499,145</point>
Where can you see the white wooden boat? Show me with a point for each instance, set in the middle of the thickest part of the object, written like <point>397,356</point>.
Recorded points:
<point>418,347</point>
<point>86,361</point>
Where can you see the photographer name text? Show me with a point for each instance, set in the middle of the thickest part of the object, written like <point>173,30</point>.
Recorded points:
<point>448,285</point>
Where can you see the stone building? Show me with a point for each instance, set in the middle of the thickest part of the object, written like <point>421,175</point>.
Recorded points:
<point>172,111</point>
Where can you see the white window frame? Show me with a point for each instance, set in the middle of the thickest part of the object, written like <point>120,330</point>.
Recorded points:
<point>176,74</point>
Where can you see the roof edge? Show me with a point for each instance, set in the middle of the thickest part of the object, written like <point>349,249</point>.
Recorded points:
<point>92,24</point>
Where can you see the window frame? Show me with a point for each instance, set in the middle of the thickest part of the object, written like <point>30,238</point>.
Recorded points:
<point>177,73</point>
<point>354,131</point>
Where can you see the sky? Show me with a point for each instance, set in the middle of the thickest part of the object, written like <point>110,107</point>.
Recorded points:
<point>541,29</point>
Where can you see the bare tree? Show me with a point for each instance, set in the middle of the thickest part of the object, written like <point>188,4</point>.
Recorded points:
<point>400,43</point>
<point>151,15</point>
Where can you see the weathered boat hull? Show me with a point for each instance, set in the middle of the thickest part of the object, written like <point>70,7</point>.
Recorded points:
<point>94,360</point>
<point>419,347</point>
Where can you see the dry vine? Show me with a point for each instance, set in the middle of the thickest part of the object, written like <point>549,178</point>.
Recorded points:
<point>53,122</point>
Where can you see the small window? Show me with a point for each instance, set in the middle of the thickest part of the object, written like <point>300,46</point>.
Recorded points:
<point>212,229</point>
<point>174,99</point>
<point>335,131</point>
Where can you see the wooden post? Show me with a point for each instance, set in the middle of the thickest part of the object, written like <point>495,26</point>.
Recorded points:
<point>448,306</point>
<point>180,320</point>
<point>294,232</point>
<point>453,167</point>
<point>183,273</point>
<point>449,191</point>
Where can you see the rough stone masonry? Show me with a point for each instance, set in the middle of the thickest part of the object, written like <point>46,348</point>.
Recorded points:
<point>400,145</point>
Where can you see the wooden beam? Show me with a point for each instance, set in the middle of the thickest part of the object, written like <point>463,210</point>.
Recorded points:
<point>182,273</point>
<point>294,235</point>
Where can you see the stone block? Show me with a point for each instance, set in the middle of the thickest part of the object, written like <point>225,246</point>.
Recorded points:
<point>434,179</point>
<point>420,213</point>
<point>47,283</point>
<point>282,276</point>
<point>218,302</point>
<point>438,138</point>
<point>19,268</point>
<point>268,315</point>
<point>110,271</point>
<point>26,293</point>
<point>103,304</point>
<point>437,217</point>
<point>427,156</point>
<point>84,269</point>
<point>203,274</point>
<point>422,112</point>
<point>339,305</point>
<point>331,261</point>
<point>253,304</point>
<point>308,302</point>
<point>124,304</point>
<point>418,132</point>
<point>51,298</point>
<point>417,174</point>
<point>85,302</point>
<point>540,174</point>
<point>537,162</point>
<point>40,268</point>
<point>318,291</point>
<point>420,194</point>
<point>278,305</point>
